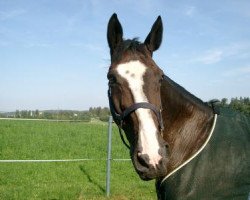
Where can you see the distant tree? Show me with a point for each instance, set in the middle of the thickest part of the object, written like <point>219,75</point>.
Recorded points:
<point>36,113</point>
<point>84,116</point>
<point>224,101</point>
<point>47,115</point>
<point>241,104</point>
<point>24,114</point>
<point>93,112</point>
<point>104,118</point>
<point>98,111</point>
<point>17,114</point>
<point>246,101</point>
<point>30,114</point>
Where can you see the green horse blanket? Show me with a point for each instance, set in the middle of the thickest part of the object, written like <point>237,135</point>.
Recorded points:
<point>221,170</point>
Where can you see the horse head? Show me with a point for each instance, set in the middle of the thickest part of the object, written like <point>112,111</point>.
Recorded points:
<point>134,95</point>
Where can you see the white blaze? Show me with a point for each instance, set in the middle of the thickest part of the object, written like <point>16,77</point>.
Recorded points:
<point>133,73</point>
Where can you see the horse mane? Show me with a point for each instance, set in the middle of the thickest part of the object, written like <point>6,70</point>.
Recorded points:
<point>190,97</point>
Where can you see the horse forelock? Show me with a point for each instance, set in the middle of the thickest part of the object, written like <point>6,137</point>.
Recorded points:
<point>131,49</point>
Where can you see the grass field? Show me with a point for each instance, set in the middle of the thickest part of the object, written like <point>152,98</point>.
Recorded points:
<point>74,180</point>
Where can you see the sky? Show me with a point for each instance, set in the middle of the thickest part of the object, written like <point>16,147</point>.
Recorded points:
<point>54,54</point>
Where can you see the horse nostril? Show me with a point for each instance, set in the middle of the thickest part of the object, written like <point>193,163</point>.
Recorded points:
<point>143,159</point>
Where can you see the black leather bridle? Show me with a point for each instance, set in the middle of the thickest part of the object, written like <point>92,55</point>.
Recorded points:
<point>119,118</point>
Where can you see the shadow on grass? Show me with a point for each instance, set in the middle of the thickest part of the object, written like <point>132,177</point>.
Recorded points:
<point>91,180</point>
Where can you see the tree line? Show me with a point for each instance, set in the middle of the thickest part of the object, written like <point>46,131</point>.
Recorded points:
<point>98,113</point>
<point>241,104</point>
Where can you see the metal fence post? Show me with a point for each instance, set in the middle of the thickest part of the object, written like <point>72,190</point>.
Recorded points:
<point>109,156</point>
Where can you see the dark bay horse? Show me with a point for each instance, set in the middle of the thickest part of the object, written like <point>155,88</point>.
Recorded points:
<point>173,136</point>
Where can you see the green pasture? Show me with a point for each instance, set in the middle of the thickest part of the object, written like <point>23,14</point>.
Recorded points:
<point>42,140</point>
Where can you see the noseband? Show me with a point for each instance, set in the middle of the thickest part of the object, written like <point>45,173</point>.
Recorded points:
<point>120,117</point>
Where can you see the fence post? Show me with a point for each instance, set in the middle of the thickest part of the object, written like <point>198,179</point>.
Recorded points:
<point>108,156</point>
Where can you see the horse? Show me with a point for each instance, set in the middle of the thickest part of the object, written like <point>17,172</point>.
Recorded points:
<point>183,143</point>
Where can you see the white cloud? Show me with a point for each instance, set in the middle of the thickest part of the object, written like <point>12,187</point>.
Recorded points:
<point>37,44</point>
<point>215,55</point>
<point>190,11</point>
<point>211,57</point>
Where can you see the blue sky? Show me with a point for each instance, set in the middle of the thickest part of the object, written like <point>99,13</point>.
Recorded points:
<point>54,54</point>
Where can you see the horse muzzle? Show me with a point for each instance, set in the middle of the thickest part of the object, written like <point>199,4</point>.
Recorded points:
<point>149,168</point>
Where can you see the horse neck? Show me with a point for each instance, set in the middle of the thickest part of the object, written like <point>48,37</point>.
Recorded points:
<point>187,122</point>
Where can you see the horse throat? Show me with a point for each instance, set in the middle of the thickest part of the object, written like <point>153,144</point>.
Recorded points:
<point>187,122</point>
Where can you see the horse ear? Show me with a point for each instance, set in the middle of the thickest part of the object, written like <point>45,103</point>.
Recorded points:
<point>154,38</point>
<point>114,33</point>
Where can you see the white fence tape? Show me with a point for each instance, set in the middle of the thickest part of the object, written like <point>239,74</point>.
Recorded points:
<point>69,160</point>
<point>51,120</point>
